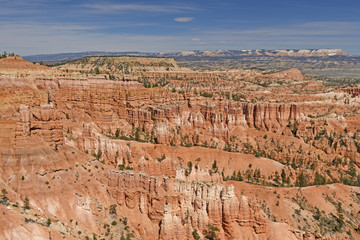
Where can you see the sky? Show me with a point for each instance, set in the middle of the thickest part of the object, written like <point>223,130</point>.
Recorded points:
<point>30,27</point>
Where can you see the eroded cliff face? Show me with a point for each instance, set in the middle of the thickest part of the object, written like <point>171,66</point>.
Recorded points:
<point>354,92</point>
<point>157,112</point>
<point>44,122</point>
<point>179,206</point>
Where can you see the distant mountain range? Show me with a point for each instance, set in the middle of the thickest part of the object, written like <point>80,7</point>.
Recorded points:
<point>261,52</point>
<point>61,57</point>
<point>325,62</point>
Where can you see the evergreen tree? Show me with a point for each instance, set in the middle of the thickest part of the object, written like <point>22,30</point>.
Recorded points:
<point>239,177</point>
<point>210,233</point>
<point>301,181</point>
<point>4,192</point>
<point>233,177</point>
<point>26,203</point>
<point>248,175</point>
<point>97,70</point>
<point>257,175</point>
<point>319,179</point>
<point>283,176</point>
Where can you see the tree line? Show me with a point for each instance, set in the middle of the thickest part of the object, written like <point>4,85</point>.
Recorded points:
<point>5,55</point>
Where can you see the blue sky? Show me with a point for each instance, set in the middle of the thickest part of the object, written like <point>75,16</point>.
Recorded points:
<point>54,26</point>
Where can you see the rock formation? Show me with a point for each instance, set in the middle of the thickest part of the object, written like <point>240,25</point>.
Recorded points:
<point>92,149</point>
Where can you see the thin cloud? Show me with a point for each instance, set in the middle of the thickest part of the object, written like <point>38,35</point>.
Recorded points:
<point>183,19</point>
<point>42,38</point>
<point>47,37</point>
<point>198,41</point>
<point>309,29</point>
<point>137,7</point>
<point>34,27</point>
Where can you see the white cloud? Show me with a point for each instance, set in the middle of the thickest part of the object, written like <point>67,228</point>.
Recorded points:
<point>46,37</point>
<point>198,41</point>
<point>113,7</point>
<point>183,19</point>
<point>37,38</point>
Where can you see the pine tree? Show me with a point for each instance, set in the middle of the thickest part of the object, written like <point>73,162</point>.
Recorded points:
<point>239,177</point>
<point>257,175</point>
<point>4,192</point>
<point>319,179</point>
<point>97,70</point>
<point>233,177</point>
<point>283,176</point>
<point>26,203</point>
<point>248,175</point>
<point>301,181</point>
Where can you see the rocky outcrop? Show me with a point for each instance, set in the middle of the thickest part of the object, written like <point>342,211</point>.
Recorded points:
<point>113,151</point>
<point>289,74</point>
<point>211,203</point>
<point>44,122</point>
<point>354,92</point>
<point>17,63</point>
